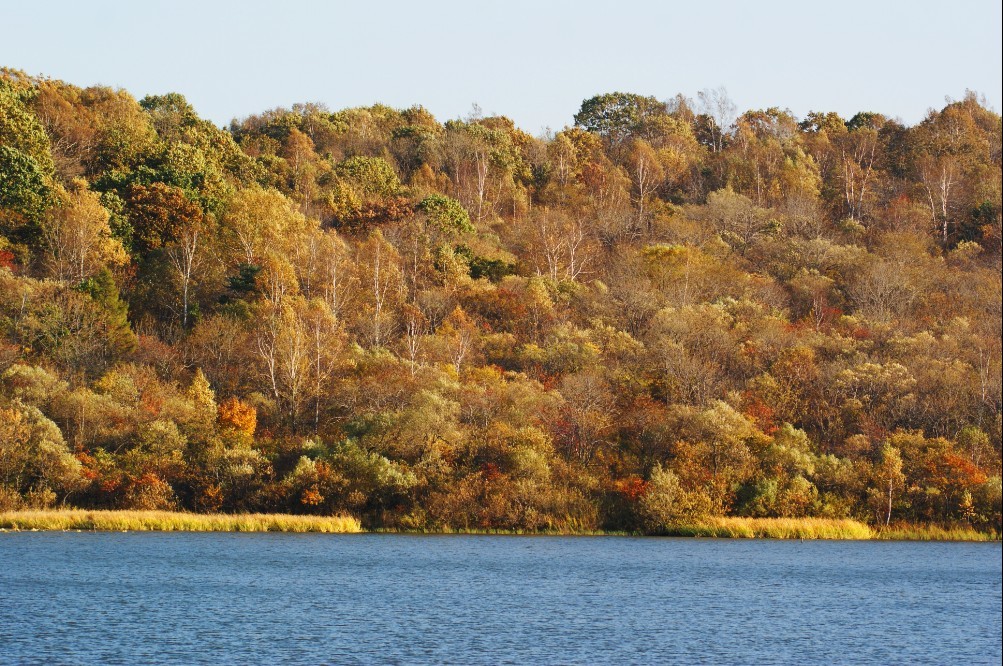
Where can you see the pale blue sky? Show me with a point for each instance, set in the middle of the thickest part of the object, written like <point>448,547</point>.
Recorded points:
<point>532,61</point>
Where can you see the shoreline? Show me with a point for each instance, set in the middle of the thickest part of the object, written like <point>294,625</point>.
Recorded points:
<point>102,520</point>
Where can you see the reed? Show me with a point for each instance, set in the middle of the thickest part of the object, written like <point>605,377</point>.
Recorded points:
<point>168,521</point>
<point>712,527</point>
<point>771,528</point>
<point>910,532</point>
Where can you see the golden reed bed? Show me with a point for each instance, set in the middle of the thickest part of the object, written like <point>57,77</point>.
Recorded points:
<point>168,521</point>
<point>821,528</point>
<point>720,527</point>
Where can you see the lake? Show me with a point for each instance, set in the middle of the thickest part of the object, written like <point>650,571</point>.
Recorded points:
<point>183,598</point>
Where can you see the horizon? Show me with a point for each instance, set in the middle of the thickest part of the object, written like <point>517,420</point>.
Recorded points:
<point>534,66</point>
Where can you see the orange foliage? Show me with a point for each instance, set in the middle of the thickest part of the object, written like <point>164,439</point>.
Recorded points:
<point>960,472</point>
<point>212,497</point>
<point>311,496</point>
<point>236,414</point>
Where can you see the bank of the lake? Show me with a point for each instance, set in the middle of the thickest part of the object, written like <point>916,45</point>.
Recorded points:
<point>170,521</point>
<point>715,527</point>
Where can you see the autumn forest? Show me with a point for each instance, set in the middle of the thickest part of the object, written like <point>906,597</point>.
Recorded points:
<point>671,310</point>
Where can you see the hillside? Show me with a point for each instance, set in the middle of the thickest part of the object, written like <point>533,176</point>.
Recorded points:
<point>667,312</point>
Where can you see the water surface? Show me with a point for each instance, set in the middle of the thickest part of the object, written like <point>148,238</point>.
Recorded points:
<point>160,598</point>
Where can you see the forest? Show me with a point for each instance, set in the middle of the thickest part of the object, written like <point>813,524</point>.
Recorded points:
<point>667,311</point>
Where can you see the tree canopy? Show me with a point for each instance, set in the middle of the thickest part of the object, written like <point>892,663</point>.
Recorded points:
<point>670,310</point>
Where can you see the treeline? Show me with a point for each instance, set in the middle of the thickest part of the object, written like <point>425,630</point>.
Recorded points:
<point>665,312</point>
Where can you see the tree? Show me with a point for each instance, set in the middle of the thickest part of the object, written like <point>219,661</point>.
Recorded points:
<point>24,191</point>
<point>169,235</point>
<point>26,166</point>
<point>78,236</point>
<point>888,474</point>
<point>858,156</point>
<point>236,414</point>
<point>719,110</point>
<point>186,255</point>
<point>415,328</point>
<point>618,116</point>
<point>259,220</point>
<point>479,159</point>
<point>445,214</point>
<point>382,283</point>
<point>298,151</point>
<point>118,331</point>
<point>665,502</point>
<point>736,218</point>
<point>35,464</point>
<point>950,148</point>
<point>647,174</point>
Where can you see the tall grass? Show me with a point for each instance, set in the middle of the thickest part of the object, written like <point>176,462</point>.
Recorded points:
<point>771,528</point>
<point>910,532</point>
<point>168,521</point>
<point>822,528</point>
<point>714,527</point>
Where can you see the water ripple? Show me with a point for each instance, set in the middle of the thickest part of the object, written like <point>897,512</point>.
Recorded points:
<point>111,598</point>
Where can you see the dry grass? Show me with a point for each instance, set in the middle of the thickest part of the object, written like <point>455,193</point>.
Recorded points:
<point>822,528</point>
<point>773,528</point>
<point>907,532</point>
<point>719,527</point>
<point>168,521</point>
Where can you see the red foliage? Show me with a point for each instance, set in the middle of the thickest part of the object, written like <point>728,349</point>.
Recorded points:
<point>632,488</point>
<point>151,404</point>
<point>490,472</point>
<point>763,415</point>
<point>374,213</point>
<point>89,470</point>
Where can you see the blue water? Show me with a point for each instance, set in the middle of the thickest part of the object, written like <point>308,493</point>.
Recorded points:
<point>152,598</point>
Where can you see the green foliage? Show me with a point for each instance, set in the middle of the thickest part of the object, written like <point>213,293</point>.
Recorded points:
<point>370,176</point>
<point>446,214</point>
<point>665,502</point>
<point>617,116</point>
<point>104,291</point>
<point>20,129</point>
<point>36,466</point>
<point>25,163</point>
<point>482,267</point>
<point>24,191</point>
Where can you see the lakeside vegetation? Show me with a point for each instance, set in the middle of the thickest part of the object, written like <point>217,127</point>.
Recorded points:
<point>715,527</point>
<point>670,316</point>
<point>773,528</point>
<point>172,521</point>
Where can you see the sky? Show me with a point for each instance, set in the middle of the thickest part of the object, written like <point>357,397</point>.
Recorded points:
<point>534,62</point>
